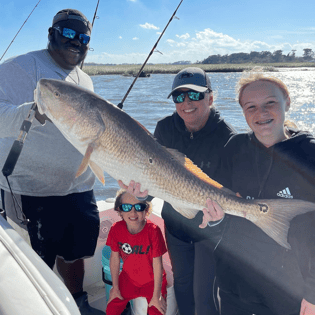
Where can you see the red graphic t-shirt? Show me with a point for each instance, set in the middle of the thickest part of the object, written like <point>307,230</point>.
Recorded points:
<point>137,250</point>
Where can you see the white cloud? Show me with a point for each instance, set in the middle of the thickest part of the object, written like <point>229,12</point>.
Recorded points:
<point>149,26</point>
<point>120,37</point>
<point>171,41</point>
<point>135,38</point>
<point>208,42</point>
<point>200,46</point>
<point>185,36</point>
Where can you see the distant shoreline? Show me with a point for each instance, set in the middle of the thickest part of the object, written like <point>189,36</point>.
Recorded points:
<point>132,70</point>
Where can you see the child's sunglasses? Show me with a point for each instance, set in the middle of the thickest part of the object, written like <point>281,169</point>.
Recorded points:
<point>71,34</point>
<point>179,97</point>
<point>126,207</point>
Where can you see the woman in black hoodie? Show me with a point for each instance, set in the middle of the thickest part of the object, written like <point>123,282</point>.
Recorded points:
<point>197,130</point>
<point>255,274</point>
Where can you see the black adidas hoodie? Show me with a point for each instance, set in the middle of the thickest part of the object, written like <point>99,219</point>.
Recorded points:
<point>202,148</point>
<point>251,267</point>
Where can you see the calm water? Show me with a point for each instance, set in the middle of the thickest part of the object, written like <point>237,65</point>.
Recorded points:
<point>147,102</point>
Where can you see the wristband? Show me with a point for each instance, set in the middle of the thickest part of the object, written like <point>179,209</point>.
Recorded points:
<point>216,222</point>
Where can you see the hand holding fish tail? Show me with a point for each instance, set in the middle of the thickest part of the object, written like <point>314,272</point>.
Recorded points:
<point>134,189</point>
<point>212,213</point>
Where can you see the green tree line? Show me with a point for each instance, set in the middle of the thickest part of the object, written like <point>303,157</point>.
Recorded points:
<point>261,57</point>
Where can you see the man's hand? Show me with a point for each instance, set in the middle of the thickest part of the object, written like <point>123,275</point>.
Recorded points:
<point>41,118</point>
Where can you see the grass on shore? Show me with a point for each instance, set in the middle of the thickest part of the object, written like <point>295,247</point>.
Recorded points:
<point>130,70</point>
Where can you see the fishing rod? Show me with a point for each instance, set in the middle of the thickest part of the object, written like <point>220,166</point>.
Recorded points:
<point>13,157</point>
<point>120,105</point>
<point>17,146</point>
<point>94,17</point>
<point>19,30</point>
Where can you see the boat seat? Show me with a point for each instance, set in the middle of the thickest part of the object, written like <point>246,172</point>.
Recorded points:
<point>27,285</point>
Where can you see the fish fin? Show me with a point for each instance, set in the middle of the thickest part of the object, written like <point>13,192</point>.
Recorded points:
<point>276,216</point>
<point>94,167</point>
<point>186,212</point>
<point>98,172</point>
<point>85,162</point>
<point>191,167</point>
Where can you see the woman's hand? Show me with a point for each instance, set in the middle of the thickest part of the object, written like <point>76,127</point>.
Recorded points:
<point>213,212</point>
<point>134,189</point>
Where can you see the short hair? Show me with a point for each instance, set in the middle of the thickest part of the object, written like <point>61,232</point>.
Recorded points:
<point>118,202</point>
<point>254,75</point>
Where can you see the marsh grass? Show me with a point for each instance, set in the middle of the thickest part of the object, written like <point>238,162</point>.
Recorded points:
<point>132,70</point>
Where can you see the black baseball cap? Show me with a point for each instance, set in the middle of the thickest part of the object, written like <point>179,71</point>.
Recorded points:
<point>71,14</point>
<point>191,78</point>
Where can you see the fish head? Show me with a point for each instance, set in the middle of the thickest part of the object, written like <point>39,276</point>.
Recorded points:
<point>73,109</point>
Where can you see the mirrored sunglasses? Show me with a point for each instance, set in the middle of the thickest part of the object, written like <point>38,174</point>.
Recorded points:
<point>179,97</point>
<point>126,207</point>
<point>71,34</point>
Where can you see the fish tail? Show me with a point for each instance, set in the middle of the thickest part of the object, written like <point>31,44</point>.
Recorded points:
<point>276,216</point>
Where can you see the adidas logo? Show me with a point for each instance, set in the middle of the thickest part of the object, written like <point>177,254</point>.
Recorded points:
<point>285,193</point>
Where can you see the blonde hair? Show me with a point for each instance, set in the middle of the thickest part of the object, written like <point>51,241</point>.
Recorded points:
<point>290,124</point>
<point>254,75</point>
<point>118,202</point>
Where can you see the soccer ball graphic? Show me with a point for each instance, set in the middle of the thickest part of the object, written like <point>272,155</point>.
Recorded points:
<point>126,248</point>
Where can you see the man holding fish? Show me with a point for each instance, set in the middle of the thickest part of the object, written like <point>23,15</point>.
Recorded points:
<point>58,210</point>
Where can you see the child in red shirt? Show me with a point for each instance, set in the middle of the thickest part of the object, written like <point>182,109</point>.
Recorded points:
<point>140,244</point>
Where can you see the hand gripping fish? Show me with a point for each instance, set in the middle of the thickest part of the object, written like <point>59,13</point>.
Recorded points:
<point>112,141</point>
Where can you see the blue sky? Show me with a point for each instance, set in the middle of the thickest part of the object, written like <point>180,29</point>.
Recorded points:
<point>127,29</point>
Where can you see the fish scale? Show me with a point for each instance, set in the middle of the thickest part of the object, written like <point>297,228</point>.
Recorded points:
<point>112,141</point>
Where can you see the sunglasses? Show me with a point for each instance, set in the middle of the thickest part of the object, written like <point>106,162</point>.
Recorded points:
<point>179,97</point>
<point>126,207</point>
<point>71,34</point>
